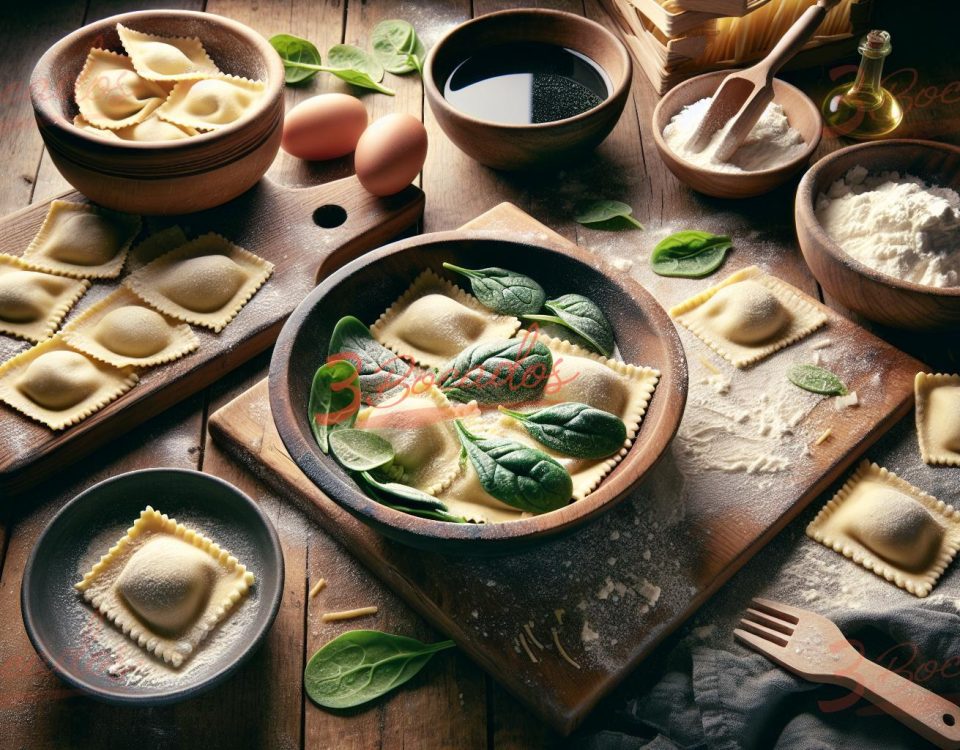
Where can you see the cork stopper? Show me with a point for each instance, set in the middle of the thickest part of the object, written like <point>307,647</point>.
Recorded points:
<point>876,44</point>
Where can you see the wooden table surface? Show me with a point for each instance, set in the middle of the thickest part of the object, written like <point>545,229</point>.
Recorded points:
<point>451,703</point>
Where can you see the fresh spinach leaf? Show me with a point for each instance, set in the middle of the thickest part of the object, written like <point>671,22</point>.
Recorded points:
<point>384,374</point>
<point>360,450</point>
<point>397,47</point>
<point>816,380</point>
<point>505,371</point>
<point>516,474</point>
<point>574,429</point>
<point>353,65</point>
<point>582,316</point>
<point>690,254</point>
<point>603,211</point>
<point>505,292</point>
<point>301,59</point>
<point>361,665</point>
<point>334,400</point>
<point>404,493</point>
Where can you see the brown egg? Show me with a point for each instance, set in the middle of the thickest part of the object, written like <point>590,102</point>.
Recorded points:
<point>324,127</point>
<point>390,153</point>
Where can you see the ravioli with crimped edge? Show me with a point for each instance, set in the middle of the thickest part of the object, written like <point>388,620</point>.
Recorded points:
<point>165,586</point>
<point>33,303</point>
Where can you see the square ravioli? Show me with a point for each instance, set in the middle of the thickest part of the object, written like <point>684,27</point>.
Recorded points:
<point>210,103</point>
<point>419,426</point>
<point>581,376</point>
<point>122,331</point>
<point>33,303</point>
<point>154,245</point>
<point>890,527</point>
<point>938,418</point>
<point>434,320</point>
<point>82,241</point>
<point>110,94</point>
<point>749,315</point>
<point>166,58</point>
<point>206,282</point>
<point>58,386</point>
<point>165,586</point>
<point>151,129</point>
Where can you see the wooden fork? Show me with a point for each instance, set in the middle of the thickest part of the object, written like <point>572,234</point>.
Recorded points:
<point>744,94</point>
<point>812,647</point>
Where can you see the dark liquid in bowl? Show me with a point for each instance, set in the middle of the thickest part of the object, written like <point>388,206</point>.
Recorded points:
<point>526,83</point>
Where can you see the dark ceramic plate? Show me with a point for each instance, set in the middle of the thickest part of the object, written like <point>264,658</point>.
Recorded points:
<point>65,631</point>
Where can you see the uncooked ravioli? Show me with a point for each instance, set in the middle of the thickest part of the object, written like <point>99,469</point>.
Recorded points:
<point>165,586</point>
<point>205,281</point>
<point>434,320</point>
<point>749,315</point>
<point>938,417</point>
<point>110,94</point>
<point>210,103</point>
<point>890,527</point>
<point>81,241</point>
<point>33,303</point>
<point>166,58</point>
<point>59,379</point>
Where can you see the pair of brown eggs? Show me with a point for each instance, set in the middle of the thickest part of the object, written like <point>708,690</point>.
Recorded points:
<point>387,154</point>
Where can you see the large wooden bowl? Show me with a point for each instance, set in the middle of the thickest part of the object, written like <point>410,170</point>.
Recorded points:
<point>169,177</point>
<point>874,295</point>
<point>801,112</point>
<point>513,147</point>
<point>364,288</point>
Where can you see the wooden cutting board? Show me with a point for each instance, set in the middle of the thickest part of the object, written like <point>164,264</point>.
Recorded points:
<point>613,590</point>
<point>290,227</point>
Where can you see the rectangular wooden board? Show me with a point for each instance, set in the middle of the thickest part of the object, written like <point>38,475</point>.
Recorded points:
<point>615,589</point>
<point>271,220</point>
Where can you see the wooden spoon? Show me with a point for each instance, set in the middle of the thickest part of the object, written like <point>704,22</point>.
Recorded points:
<point>744,94</point>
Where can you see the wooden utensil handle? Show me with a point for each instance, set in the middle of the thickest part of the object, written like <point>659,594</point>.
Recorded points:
<point>796,36</point>
<point>932,717</point>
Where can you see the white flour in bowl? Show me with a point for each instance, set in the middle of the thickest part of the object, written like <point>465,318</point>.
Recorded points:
<point>895,224</point>
<point>771,143</point>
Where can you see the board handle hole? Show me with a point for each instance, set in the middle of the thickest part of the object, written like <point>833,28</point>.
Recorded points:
<point>329,216</point>
<point>949,719</point>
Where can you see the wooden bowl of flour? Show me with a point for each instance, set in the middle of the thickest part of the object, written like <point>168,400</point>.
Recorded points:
<point>161,177</point>
<point>874,295</point>
<point>802,114</point>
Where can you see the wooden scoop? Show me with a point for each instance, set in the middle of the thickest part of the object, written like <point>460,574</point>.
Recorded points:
<point>744,94</point>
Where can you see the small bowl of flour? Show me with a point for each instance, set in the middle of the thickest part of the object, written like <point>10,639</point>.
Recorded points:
<point>777,147</point>
<point>879,226</point>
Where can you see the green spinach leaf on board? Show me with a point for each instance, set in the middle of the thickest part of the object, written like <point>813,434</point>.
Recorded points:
<point>605,214</point>
<point>574,429</point>
<point>384,374</point>
<point>690,254</point>
<point>301,59</point>
<point>505,292</point>
<point>397,47</point>
<point>816,380</point>
<point>516,474</point>
<point>334,400</point>
<point>353,65</point>
<point>361,665</point>
<point>505,371</point>
<point>582,316</point>
<point>360,450</point>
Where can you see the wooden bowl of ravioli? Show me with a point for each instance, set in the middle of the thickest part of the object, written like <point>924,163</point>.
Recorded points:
<point>162,176</point>
<point>645,337</point>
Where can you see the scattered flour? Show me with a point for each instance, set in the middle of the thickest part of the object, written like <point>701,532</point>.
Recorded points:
<point>770,144</point>
<point>895,224</point>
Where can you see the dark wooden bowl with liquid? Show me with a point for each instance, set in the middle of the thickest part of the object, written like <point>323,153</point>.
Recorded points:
<point>515,147</point>
<point>874,295</point>
<point>644,333</point>
<point>162,177</point>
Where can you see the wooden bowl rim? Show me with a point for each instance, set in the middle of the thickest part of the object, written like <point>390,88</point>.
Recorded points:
<point>51,112</point>
<point>618,92</point>
<point>809,188</point>
<point>784,170</point>
<point>603,498</point>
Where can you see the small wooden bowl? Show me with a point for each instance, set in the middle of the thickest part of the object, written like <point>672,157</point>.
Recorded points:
<point>874,295</point>
<point>166,177</point>
<point>367,286</point>
<point>514,147</point>
<point>800,110</point>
